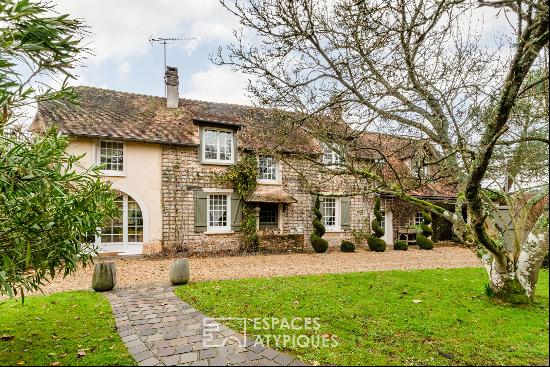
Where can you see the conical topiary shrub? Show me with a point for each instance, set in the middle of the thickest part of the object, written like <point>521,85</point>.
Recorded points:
<point>318,243</point>
<point>423,239</point>
<point>375,241</point>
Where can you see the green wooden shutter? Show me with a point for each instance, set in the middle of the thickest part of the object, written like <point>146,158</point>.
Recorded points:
<point>345,213</point>
<point>199,199</point>
<point>236,212</point>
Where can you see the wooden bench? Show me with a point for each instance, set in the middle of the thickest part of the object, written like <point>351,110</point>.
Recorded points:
<point>407,235</point>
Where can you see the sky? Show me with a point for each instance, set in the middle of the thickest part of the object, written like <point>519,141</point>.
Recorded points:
<point>125,60</point>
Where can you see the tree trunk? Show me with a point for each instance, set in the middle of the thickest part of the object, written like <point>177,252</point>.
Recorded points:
<point>514,281</point>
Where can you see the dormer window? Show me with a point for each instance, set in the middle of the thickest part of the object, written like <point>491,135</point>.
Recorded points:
<point>330,157</point>
<point>217,146</point>
<point>418,167</point>
<point>268,171</point>
<point>111,156</point>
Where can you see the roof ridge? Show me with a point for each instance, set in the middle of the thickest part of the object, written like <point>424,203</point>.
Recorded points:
<point>164,98</point>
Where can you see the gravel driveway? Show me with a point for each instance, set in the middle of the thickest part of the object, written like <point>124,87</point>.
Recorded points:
<point>148,271</point>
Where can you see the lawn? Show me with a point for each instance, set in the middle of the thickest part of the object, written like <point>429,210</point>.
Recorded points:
<point>377,318</point>
<point>69,328</point>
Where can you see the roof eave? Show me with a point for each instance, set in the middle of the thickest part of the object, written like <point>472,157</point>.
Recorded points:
<point>150,141</point>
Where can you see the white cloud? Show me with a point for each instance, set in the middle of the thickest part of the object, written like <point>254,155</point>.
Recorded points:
<point>123,71</point>
<point>217,84</point>
<point>122,28</point>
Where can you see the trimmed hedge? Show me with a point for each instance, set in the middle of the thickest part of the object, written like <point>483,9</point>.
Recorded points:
<point>318,243</point>
<point>400,245</point>
<point>347,246</point>
<point>423,239</point>
<point>376,244</point>
<point>375,241</point>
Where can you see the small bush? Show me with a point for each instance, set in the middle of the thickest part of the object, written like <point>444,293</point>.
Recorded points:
<point>319,244</point>
<point>347,246</point>
<point>424,242</point>
<point>376,244</point>
<point>400,245</point>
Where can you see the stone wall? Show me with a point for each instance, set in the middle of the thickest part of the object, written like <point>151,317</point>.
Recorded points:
<point>182,174</point>
<point>282,242</point>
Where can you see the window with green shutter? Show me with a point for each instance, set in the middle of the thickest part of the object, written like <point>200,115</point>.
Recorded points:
<point>200,199</point>
<point>236,212</point>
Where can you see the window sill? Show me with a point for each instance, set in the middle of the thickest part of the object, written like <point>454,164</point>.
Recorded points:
<point>335,231</point>
<point>113,173</point>
<point>210,232</point>
<point>218,163</point>
<point>268,182</point>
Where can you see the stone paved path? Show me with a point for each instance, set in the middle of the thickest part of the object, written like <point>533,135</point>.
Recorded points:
<point>160,329</point>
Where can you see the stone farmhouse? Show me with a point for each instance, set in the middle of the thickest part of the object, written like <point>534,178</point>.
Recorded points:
<point>163,155</point>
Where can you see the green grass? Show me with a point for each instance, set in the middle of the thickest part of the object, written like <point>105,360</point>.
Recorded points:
<point>375,320</point>
<point>55,328</point>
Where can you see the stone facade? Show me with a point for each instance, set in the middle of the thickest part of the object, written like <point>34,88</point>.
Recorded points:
<point>183,174</point>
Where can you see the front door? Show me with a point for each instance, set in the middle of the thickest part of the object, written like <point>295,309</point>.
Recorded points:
<point>387,224</point>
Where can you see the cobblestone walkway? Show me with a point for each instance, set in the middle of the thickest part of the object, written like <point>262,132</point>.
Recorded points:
<point>160,329</point>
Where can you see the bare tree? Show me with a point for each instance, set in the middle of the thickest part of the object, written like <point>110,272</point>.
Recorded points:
<point>416,68</point>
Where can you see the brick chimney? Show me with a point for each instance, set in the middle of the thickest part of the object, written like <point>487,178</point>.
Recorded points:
<point>172,84</point>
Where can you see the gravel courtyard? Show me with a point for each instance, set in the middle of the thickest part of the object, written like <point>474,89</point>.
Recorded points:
<point>149,271</point>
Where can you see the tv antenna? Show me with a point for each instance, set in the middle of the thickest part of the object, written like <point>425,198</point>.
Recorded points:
<point>168,41</point>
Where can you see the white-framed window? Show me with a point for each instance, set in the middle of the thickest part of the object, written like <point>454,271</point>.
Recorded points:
<point>111,156</point>
<point>330,209</point>
<point>268,169</point>
<point>418,218</point>
<point>382,223</point>
<point>217,146</point>
<point>330,157</point>
<point>127,227</point>
<point>418,168</point>
<point>219,213</point>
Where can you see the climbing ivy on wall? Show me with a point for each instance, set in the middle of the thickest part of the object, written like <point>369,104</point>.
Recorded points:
<point>242,178</point>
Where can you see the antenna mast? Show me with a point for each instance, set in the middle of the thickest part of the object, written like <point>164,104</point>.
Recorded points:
<point>167,41</point>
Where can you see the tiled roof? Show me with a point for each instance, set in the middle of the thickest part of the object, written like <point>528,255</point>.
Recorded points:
<point>122,115</point>
<point>112,114</point>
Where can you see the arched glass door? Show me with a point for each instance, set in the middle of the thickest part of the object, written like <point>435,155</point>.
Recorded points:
<point>123,234</point>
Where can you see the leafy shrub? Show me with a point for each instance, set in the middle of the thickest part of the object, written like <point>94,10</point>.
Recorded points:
<point>400,245</point>
<point>423,239</point>
<point>318,243</point>
<point>347,246</point>
<point>375,241</point>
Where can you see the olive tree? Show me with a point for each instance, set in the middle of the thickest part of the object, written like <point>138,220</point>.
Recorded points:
<point>416,68</point>
<point>50,207</point>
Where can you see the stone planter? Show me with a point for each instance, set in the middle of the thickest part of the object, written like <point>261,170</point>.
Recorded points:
<point>179,271</point>
<point>104,277</point>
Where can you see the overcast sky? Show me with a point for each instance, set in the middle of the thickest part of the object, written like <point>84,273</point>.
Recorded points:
<point>125,60</point>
